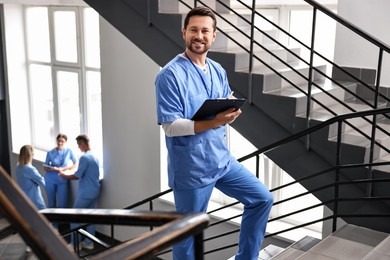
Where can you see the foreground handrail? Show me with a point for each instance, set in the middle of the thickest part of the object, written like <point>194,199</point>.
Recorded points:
<point>173,228</point>
<point>46,243</point>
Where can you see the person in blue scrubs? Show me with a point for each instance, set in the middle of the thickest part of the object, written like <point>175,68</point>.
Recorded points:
<point>58,159</point>
<point>198,156</point>
<point>89,183</point>
<point>28,177</point>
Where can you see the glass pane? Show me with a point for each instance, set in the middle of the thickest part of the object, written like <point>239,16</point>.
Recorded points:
<point>69,104</point>
<point>95,114</point>
<point>65,36</point>
<point>92,42</point>
<point>38,43</point>
<point>42,103</point>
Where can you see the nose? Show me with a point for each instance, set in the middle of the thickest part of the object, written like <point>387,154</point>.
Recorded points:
<point>199,35</point>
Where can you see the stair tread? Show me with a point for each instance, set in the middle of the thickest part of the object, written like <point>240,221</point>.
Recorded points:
<point>340,110</point>
<point>264,70</point>
<point>347,241</point>
<point>292,91</point>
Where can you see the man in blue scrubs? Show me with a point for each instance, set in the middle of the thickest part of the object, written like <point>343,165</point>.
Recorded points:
<point>89,184</point>
<point>198,156</point>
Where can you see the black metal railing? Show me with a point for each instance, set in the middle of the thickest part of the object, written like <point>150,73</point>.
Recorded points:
<point>334,187</point>
<point>376,128</point>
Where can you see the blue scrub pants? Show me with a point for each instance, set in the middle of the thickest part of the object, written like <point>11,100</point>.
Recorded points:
<point>238,183</point>
<point>83,203</point>
<point>57,194</point>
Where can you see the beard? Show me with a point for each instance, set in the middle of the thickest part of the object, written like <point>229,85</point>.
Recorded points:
<point>198,51</point>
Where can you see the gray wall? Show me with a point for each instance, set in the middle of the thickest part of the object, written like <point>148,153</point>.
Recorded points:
<point>371,16</point>
<point>131,137</point>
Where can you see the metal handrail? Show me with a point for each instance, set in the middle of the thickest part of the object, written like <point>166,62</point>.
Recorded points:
<point>34,227</point>
<point>312,67</point>
<point>338,119</point>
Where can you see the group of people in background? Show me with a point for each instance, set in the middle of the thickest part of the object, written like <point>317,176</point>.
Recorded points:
<point>60,166</point>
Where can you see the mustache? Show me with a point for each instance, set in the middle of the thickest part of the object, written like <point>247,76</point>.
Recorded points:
<point>198,41</point>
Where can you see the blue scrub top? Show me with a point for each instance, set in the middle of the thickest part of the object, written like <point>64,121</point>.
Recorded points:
<point>181,88</point>
<point>88,174</point>
<point>29,180</point>
<point>58,158</point>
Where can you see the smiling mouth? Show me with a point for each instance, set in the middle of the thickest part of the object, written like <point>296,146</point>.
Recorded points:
<point>197,43</point>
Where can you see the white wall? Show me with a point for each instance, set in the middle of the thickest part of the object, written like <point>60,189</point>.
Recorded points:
<point>131,137</point>
<point>130,132</point>
<point>373,17</point>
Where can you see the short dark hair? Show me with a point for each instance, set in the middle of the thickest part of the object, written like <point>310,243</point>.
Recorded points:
<point>200,11</point>
<point>83,138</point>
<point>61,135</point>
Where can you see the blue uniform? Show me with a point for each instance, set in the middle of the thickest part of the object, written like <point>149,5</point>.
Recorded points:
<point>89,186</point>
<point>56,186</point>
<point>198,163</point>
<point>29,180</point>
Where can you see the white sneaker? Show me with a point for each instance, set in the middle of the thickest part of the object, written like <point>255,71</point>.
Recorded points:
<point>85,245</point>
<point>28,249</point>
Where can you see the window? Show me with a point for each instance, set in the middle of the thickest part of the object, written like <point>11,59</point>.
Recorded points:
<point>61,91</point>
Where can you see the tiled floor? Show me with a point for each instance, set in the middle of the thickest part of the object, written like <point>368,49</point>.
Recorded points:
<point>13,247</point>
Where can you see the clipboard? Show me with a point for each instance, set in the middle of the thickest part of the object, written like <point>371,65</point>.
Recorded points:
<point>48,166</point>
<point>211,107</point>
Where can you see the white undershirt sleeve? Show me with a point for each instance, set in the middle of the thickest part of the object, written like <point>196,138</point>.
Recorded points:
<point>179,127</point>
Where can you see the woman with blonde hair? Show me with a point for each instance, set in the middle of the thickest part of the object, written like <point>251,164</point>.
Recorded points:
<point>28,177</point>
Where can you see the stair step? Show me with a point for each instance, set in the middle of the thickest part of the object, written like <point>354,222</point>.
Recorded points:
<point>269,252</point>
<point>242,57</point>
<point>232,36</point>
<point>348,242</point>
<point>297,249</point>
<point>317,92</point>
<point>322,114</point>
<point>299,76</point>
<point>174,6</point>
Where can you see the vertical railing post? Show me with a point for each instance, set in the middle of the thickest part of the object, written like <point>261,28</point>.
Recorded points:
<point>151,209</point>
<point>374,119</point>
<point>311,71</point>
<point>198,246</point>
<point>337,176</point>
<point>252,36</point>
<point>149,19</point>
<point>112,234</point>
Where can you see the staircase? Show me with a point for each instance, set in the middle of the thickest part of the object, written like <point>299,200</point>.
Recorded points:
<point>277,107</point>
<point>348,242</point>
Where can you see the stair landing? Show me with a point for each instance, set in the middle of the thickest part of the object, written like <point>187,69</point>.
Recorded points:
<point>349,242</point>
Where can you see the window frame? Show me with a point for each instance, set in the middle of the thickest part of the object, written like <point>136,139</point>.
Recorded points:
<point>55,66</point>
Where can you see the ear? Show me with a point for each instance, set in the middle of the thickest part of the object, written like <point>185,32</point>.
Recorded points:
<point>214,35</point>
<point>183,33</point>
